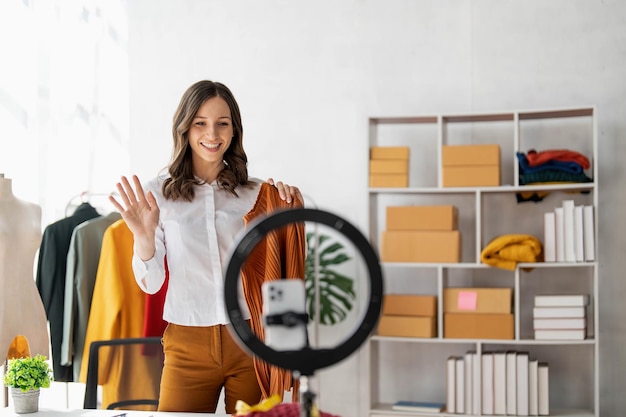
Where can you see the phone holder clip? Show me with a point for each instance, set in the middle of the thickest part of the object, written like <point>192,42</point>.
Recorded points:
<point>288,319</point>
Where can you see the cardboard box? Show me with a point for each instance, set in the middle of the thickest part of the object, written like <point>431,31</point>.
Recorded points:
<point>389,166</point>
<point>407,326</point>
<point>422,218</point>
<point>389,152</point>
<point>477,300</point>
<point>389,180</point>
<point>470,155</point>
<point>410,305</point>
<point>470,165</point>
<point>421,246</point>
<point>471,176</point>
<point>478,326</point>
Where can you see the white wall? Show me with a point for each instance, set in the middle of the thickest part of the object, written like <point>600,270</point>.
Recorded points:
<point>307,76</point>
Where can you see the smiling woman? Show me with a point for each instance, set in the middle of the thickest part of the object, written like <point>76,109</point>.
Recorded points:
<point>191,217</point>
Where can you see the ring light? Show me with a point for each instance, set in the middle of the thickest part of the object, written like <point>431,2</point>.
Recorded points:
<point>307,360</point>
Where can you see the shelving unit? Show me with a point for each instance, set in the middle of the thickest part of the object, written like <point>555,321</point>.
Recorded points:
<point>414,368</point>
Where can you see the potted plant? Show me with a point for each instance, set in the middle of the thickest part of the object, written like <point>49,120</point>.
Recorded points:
<point>25,376</point>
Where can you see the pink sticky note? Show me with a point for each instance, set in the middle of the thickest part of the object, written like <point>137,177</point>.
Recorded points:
<point>467,300</point>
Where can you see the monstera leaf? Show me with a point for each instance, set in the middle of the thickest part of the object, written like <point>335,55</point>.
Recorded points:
<point>336,291</point>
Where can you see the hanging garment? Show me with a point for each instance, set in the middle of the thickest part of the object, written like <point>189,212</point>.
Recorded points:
<point>153,324</point>
<point>82,265</point>
<point>281,254</point>
<point>51,270</point>
<point>117,311</point>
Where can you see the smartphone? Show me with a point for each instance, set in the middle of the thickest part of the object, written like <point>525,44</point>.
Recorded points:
<point>282,296</point>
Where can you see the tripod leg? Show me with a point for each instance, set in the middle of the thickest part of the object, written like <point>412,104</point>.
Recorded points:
<point>307,398</point>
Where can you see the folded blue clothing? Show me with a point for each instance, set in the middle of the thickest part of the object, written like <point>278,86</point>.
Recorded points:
<point>552,176</point>
<point>571,167</point>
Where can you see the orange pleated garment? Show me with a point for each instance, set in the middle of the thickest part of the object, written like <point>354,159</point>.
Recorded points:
<point>281,254</point>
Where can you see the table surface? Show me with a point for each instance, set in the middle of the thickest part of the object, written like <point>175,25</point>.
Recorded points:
<point>46,412</point>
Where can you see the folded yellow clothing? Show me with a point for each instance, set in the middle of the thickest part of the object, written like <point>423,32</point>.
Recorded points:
<point>507,250</point>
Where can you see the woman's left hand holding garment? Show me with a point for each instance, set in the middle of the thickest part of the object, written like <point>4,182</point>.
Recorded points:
<point>287,192</point>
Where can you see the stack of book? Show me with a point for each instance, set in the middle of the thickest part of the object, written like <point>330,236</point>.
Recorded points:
<point>569,233</point>
<point>497,383</point>
<point>560,317</point>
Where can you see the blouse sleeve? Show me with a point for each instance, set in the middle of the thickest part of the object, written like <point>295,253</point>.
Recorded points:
<point>150,274</point>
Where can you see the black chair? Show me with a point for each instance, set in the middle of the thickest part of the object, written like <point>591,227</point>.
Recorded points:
<point>129,368</point>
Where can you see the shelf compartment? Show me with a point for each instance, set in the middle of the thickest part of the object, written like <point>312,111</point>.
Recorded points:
<point>507,189</point>
<point>480,265</point>
<point>385,410</point>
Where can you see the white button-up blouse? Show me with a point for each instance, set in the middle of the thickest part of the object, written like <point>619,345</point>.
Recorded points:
<point>197,237</point>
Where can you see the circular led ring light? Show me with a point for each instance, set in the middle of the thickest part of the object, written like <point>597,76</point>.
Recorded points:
<point>306,360</point>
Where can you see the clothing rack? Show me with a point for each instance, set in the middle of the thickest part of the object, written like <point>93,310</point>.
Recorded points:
<point>84,197</point>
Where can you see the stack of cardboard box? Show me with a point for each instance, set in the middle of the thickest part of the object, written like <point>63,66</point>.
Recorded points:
<point>389,166</point>
<point>471,165</point>
<point>408,316</point>
<point>478,313</point>
<point>421,234</point>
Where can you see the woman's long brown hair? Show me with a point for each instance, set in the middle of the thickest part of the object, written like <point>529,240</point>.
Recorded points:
<point>181,181</point>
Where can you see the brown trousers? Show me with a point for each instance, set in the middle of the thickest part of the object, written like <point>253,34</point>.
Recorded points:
<point>199,362</point>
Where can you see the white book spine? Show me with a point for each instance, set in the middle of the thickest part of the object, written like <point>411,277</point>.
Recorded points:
<point>533,391</point>
<point>579,244</point>
<point>460,386</point>
<point>574,300</point>
<point>569,231</point>
<point>451,385</point>
<point>549,237</point>
<point>511,383</point>
<point>543,389</point>
<point>589,233</point>
<point>522,383</point>
<point>560,236</point>
<point>558,312</point>
<point>543,324</point>
<point>559,334</point>
<point>475,382</point>
<point>499,383</point>
<point>487,383</point>
<point>468,381</point>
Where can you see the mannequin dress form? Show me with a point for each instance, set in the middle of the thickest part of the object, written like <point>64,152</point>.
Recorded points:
<point>21,308</point>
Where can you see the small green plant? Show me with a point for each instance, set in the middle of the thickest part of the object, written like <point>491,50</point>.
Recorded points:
<point>337,293</point>
<point>28,373</point>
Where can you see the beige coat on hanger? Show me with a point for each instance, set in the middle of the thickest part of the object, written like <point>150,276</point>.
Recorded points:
<point>21,308</point>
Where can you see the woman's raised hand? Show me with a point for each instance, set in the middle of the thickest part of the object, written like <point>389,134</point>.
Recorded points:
<point>140,211</point>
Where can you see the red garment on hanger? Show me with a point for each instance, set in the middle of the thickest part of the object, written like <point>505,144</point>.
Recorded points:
<point>153,323</point>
